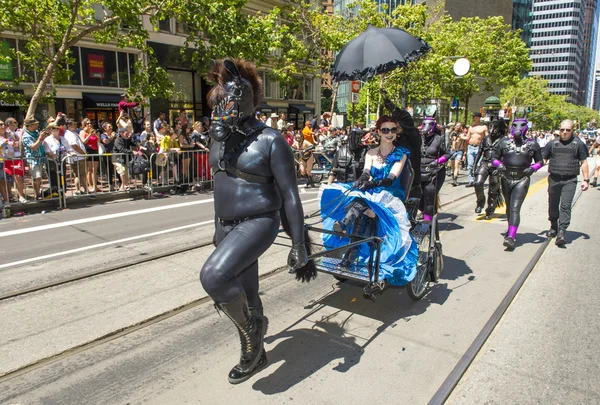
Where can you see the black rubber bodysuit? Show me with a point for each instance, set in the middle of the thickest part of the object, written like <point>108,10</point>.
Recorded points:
<point>433,156</point>
<point>485,169</point>
<point>514,155</point>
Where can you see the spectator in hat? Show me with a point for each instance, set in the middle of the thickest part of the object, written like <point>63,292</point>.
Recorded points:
<point>272,121</point>
<point>76,152</point>
<point>162,119</point>
<point>34,152</point>
<point>281,124</point>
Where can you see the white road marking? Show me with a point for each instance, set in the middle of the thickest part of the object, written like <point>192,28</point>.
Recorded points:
<point>132,238</point>
<point>100,218</point>
<point>81,249</point>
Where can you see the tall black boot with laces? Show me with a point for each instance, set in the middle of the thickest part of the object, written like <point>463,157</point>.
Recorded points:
<point>251,330</point>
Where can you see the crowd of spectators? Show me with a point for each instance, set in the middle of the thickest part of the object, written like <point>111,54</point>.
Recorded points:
<point>39,160</point>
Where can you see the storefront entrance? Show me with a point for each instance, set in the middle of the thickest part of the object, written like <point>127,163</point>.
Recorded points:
<point>101,108</point>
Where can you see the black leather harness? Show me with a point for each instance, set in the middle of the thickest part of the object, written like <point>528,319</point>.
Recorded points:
<point>225,165</point>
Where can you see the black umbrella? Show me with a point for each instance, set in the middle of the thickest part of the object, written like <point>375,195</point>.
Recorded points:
<point>376,51</point>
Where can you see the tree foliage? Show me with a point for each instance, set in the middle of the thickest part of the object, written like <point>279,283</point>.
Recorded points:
<point>548,110</point>
<point>215,28</point>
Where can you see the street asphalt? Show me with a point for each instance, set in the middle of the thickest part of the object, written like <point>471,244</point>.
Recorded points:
<point>545,348</point>
<point>326,343</point>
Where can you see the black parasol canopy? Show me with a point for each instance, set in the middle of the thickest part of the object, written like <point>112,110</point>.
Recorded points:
<point>376,51</point>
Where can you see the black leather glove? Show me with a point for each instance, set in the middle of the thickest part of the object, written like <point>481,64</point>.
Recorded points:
<point>528,172</point>
<point>364,177</point>
<point>433,165</point>
<point>298,256</point>
<point>367,185</point>
<point>500,170</point>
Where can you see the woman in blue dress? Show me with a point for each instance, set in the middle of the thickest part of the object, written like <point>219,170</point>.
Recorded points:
<point>373,206</point>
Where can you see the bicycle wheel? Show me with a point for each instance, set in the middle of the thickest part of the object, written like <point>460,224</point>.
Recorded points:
<point>317,177</point>
<point>438,260</point>
<point>417,287</point>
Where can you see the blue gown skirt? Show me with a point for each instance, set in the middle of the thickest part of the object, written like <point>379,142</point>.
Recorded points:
<point>399,252</point>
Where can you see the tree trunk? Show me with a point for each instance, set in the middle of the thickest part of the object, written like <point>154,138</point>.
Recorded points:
<point>41,86</point>
<point>333,99</point>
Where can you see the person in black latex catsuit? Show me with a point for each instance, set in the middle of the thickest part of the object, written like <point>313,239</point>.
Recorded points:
<point>513,156</point>
<point>433,156</point>
<point>254,179</point>
<point>484,168</point>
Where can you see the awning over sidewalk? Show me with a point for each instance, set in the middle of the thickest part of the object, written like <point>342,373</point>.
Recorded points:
<point>302,109</point>
<point>97,100</point>
<point>265,108</point>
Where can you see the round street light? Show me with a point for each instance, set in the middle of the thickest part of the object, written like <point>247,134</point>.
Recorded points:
<point>462,66</point>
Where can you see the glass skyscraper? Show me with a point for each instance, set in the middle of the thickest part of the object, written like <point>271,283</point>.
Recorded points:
<point>563,46</point>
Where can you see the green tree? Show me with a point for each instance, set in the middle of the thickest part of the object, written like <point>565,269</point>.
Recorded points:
<point>215,28</point>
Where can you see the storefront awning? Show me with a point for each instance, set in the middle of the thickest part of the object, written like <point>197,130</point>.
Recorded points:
<point>264,108</point>
<point>95,100</point>
<point>302,109</point>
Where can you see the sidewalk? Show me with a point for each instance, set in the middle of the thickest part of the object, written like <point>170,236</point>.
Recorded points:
<point>545,348</point>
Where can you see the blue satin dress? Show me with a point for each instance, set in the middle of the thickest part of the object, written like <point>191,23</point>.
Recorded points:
<point>399,252</point>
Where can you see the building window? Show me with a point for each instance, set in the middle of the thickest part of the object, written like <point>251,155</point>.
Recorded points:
<point>164,25</point>
<point>308,86</point>
<point>269,86</point>
<point>99,67</point>
<point>8,70</point>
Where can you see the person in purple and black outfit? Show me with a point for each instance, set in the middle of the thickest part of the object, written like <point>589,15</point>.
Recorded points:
<point>516,158</point>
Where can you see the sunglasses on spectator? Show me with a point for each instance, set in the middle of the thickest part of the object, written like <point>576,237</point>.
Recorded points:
<point>566,129</point>
<point>2,124</point>
<point>386,131</point>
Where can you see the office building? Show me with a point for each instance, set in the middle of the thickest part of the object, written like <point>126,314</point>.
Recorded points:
<point>596,92</point>
<point>563,46</point>
<point>102,72</point>
<point>522,19</point>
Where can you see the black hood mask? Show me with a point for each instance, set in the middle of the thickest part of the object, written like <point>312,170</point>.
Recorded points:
<point>234,109</point>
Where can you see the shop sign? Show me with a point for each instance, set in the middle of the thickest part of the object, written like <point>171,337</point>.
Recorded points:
<point>96,66</point>
<point>355,86</point>
<point>6,70</point>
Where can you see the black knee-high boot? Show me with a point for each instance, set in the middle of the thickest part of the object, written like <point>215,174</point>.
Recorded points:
<point>251,331</point>
<point>354,211</point>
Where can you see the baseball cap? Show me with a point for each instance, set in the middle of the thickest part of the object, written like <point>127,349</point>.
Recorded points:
<point>477,114</point>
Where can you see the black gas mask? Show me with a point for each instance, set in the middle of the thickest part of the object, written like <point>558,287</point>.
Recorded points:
<point>235,105</point>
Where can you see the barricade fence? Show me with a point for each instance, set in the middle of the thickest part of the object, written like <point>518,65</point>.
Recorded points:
<point>75,176</point>
<point>27,180</point>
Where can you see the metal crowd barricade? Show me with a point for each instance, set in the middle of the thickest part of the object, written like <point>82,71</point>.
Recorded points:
<point>27,180</point>
<point>111,171</point>
<point>178,171</point>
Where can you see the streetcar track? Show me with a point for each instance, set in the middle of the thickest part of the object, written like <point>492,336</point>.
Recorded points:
<point>118,333</point>
<point>105,270</point>
<point>118,267</point>
<point>453,379</point>
<point>131,328</point>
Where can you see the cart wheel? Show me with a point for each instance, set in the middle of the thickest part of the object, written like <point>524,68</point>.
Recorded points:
<point>417,287</point>
<point>317,178</point>
<point>438,261</point>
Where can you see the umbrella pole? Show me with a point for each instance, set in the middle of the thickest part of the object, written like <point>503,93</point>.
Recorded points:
<point>367,122</point>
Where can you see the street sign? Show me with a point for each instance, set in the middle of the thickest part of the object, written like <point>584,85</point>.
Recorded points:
<point>354,98</point>
<point>355,86</point>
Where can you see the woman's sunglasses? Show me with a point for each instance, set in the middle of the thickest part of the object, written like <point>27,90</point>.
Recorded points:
<point>388,130</point>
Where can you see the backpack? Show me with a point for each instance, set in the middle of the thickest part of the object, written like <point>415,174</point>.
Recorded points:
<point>139,165</point>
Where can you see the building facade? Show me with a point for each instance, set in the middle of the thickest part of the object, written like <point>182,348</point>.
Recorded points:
<point>103,72</point>
<point>596,92</point>
<point>563,46</point>
<point>522,19</point>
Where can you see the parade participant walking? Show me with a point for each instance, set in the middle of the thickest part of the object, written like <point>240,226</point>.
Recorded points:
<point>484,168</point>
<point>433,158</point>
<point>458,145</point>
<point>513,156</point>
<point>475,135</point>
<point>254,180</point>
<point>567,155</point>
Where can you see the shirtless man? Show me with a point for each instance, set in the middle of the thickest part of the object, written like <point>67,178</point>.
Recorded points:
<point>475,135</point>
<point>458,142</point>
